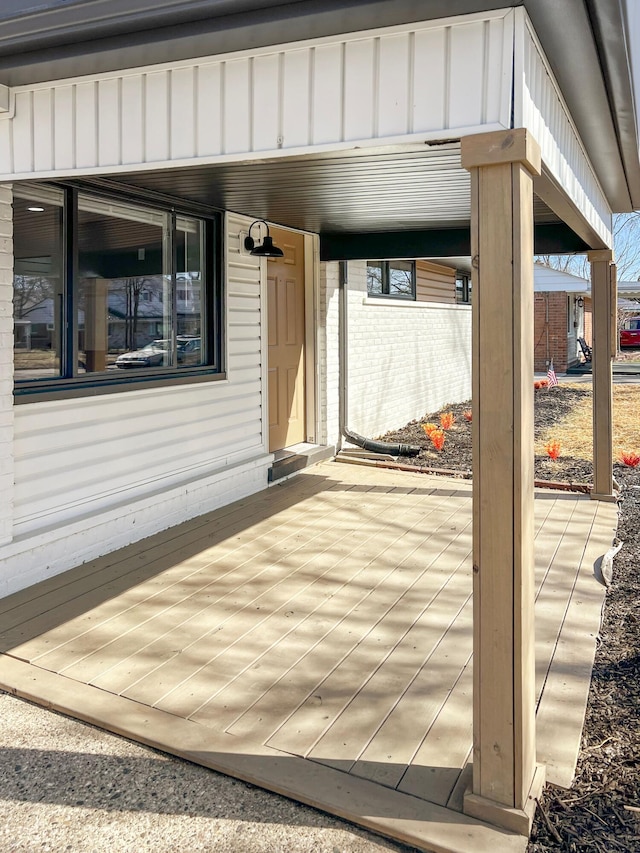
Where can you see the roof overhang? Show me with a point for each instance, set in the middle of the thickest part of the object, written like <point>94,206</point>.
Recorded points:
<point>50,40</point>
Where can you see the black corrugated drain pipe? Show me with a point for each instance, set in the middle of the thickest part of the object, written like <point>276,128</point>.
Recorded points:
<point>380,446</point>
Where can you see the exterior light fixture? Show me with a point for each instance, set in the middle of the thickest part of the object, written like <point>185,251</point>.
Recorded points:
<point>266,249</point>
<point>580,302</point>
<point>36,209</point>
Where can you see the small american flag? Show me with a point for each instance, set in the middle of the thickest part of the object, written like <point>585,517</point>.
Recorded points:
<point>551,376</point>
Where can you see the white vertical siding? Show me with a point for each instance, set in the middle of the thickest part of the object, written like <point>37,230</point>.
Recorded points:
<point>84,456</point>
<point>540,107</point>
<point>397,83</point>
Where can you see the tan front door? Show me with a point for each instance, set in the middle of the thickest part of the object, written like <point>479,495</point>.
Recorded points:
<point>286,324</point>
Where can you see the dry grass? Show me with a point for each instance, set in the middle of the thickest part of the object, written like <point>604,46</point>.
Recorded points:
<point>575,432</point>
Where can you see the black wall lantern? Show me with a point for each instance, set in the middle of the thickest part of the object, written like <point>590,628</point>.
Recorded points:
<point>266,249</point>
<point>580,302</point>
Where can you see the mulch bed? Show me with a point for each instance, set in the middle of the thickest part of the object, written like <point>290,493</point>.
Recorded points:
<point>551,407</point>
<point>601,810</point>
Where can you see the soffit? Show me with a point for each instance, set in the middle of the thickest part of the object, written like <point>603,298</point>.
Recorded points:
<point>359,192</point>
<point>49,40</point>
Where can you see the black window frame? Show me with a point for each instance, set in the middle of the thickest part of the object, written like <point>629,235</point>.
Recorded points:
<point>463,292</point>
<point>71,384</point>
<point>385,267</point>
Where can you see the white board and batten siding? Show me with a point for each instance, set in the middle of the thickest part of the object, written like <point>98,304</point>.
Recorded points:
<point>540,107</point>
<point>93,474</point>
<point>416,82</point>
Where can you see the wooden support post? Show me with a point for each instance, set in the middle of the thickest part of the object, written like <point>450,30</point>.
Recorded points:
<point>96,324</point>
<point>604,308</point>
<point>506,778</point>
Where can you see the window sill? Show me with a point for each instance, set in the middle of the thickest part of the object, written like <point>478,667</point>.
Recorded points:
<point>412,303</point>
<point>73,388</point>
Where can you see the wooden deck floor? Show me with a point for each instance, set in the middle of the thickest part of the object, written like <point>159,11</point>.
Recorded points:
<point>316,639</point>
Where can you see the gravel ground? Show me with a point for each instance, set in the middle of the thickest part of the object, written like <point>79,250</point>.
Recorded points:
<point>67,786</point>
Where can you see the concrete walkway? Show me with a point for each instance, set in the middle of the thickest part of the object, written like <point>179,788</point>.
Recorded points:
<point>67,786</point>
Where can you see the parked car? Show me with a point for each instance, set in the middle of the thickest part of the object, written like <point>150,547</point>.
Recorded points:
<point>189,347</point>
<point>151,355</point>
<point>630,332</point>
<point>157,353</point>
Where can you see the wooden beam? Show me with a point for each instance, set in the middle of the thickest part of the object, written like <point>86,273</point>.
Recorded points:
<point>604,302</point>
<point>505,777</point>
<point>558,201</point>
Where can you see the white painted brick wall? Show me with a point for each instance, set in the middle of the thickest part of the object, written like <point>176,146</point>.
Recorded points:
<point>404,360</point>
<point>328,362</point>
<point>6,365</point>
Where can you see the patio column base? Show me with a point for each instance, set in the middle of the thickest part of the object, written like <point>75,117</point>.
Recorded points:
<point>498,814</point>
<point>595,496</point>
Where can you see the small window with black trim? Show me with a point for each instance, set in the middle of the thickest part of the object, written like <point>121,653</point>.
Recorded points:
<point>109,290</point>
<point>463,288</point>
<point>396,279</point>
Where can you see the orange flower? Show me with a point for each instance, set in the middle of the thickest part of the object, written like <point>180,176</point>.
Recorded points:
<point>553,449</point>
<point>447,420</point>
<point>468,415</point>
<point>630,459</point>
<point>429,428</point>
<point>437,437</point>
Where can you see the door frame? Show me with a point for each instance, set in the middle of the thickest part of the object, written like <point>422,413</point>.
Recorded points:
<point>311,291</point>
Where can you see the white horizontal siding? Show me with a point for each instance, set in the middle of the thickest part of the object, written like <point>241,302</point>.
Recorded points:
<point>439,78</point>
<point>540,107</point>
<point>79,456</point>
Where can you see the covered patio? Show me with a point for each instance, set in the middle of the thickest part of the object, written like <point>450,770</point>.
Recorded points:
<point>316,640</point>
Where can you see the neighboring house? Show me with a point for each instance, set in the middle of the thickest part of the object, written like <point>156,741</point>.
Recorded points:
<point>159,142</point>
<point>562,314</point>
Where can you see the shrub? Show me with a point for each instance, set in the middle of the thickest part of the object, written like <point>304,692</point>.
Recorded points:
<point>429,428</point>
<point>553,449</point>
<point>437,437</point>
<point>447,420</point>
<point>630,459</point>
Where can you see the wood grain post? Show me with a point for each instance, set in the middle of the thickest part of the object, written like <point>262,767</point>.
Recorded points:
<point>506,778</point>
<point>604,317</point>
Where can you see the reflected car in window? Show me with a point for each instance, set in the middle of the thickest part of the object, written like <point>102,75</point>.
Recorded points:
<point>153,354</point>
<point>189,349</point>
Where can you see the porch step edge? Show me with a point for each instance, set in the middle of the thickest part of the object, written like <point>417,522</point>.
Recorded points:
<point>390,813</point>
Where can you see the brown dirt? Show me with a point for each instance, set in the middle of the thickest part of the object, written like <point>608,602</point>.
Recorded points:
<point>600,813</point>
<point>552,406</point>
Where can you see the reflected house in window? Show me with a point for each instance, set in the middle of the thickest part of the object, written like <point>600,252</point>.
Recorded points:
<point>136,310</point>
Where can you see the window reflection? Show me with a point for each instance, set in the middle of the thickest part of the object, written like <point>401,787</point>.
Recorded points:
<point>401,277</point>
<point>391,278</point>
<point>37,281</point>
<point>132,298</point>
<point>189,239</point>
<point>124,299</point>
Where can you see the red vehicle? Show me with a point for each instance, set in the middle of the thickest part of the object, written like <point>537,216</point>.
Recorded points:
<point>630,333</point>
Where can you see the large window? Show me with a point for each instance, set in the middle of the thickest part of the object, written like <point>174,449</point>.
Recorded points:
<point>110,291</point>
<point>391,278</point>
